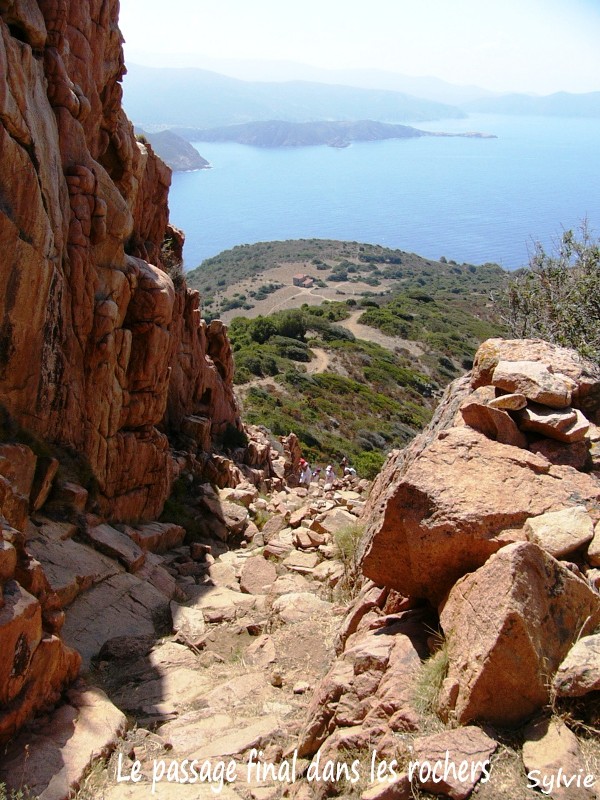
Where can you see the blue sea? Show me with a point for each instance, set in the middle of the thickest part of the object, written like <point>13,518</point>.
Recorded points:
<point>471,200</point>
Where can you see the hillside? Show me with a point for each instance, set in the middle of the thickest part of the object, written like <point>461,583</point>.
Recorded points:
<point>258,278</point>
<point>200,98</point>
<point>383,329</point>
<point>275,133</point>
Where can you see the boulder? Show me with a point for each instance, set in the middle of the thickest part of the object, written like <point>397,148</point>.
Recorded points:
<point>301,562</point>
<point>71,567</point>
<point>463,499</point>
<point>235,517</point>
<point>53,758</point>
<point>553,760</point>
<point>223,574</point>
<point>494,423</point>
<point>303,539</point>
<point>593,552</point>
<point>535,380</point>
<point>45,472</point>
<point>561,532</point>
<point>188,624</point>
<point>155,573</point>
<point>333,520</point>
<point>219,604</point>
<point>273,526</point>
<point>398,788</point>
<point>576,455</point>
<point>157,537</point>
<point>111,542</point>
<point>508,627</point>
<point>299,606</point>
<point>509,402</point>
<point>579,673</point>
<point>258,575</point>
<point>565,425</point>
<point>244,496</point>
<point>452,762</point>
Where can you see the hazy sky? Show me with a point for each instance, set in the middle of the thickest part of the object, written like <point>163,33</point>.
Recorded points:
<point>506,45</point>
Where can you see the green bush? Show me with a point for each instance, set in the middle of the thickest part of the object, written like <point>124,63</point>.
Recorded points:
<point>557,297</point>
<point>368,464</point>
<point>346,540</point>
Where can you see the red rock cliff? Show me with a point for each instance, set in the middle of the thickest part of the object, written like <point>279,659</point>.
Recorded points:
<point>98,350</point>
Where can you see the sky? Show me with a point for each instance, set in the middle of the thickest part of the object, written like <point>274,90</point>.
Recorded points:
<point>537,46</point>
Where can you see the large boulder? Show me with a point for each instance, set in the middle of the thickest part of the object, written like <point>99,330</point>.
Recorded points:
<point>508,626</point>
<point>463,499</point>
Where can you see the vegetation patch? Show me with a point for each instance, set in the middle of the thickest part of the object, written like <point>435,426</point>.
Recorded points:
<point>557,298</point>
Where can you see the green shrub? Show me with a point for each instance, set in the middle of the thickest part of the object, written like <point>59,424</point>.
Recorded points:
<point>557,297</point>
<point>429,682</point>
<point>368,464</point>
<point>346,541</point>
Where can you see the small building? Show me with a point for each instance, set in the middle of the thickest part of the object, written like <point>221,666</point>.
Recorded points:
<point>303,281</point>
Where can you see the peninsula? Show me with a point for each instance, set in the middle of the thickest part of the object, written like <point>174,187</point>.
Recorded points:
<point>279,133</point>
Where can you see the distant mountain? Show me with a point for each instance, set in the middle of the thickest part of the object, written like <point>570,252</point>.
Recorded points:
<point>275,133</point>
<point>561,104</point>
<point>426,87</point>
<point>175,151</point>
<point>199,98</point>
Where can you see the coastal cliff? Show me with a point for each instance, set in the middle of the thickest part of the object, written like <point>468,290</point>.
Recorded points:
<point>104,358</point>
<point>96,341</point>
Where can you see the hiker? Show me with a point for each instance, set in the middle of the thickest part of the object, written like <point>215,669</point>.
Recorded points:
<point>329,474</point>
<point>305,473</point>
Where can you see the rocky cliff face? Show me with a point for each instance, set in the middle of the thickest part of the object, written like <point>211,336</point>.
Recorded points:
<point>102,355</point>
<point>99,351</point>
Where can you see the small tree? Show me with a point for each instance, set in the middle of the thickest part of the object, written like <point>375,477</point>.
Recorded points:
<point>557,297</point>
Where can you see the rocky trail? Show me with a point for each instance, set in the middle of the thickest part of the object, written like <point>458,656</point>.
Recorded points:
<point>275,649</point>
<point>248,633</point>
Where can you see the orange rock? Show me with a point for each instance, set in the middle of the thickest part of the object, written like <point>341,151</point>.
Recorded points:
<point>584,373</point>
<point>508,627</point>
<point>463,499</point>
<point>110,343</point>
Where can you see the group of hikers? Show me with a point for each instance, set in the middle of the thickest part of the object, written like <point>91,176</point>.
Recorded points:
<point>307,475</point>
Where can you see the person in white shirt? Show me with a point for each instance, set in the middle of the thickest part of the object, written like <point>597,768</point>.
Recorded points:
<point>305,473</point>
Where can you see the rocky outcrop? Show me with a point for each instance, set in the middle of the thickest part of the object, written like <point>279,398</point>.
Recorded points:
<point>100,350</point>
<point>483,529</point>
<point>35,665</point>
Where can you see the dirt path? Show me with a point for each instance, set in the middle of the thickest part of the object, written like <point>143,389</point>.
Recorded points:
<point>374,335</point>
<point>290,302</point>
<point>320,363</point>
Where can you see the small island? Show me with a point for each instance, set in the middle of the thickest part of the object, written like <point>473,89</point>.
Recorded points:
<point>339,134</point>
